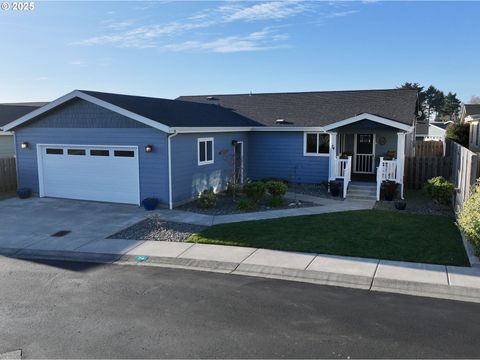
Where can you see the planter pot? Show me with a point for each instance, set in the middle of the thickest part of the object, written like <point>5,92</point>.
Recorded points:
<point>389,196</point>
<point>400,205</point>
<point>389,188</point>
<point>335,192</point>
<point>24,193</point>
<point>150,204</point>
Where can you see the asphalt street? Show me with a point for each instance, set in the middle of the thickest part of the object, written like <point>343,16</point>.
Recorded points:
<point>77,310</point>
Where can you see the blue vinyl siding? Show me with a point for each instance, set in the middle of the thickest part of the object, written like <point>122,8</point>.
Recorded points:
<point>190,179</point>
<point>280,155</point>
<point>65,126</point>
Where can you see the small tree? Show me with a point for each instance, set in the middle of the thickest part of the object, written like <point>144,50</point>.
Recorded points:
<point>458,133</point>
<point>469,217</point>
<point>450,107</point>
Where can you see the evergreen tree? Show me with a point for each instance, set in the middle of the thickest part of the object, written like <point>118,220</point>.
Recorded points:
<point>450,106</point>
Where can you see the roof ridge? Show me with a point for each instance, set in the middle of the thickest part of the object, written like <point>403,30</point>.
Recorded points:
<point>299,92</point>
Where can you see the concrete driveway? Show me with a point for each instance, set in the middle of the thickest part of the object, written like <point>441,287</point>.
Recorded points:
<point>30,224</point>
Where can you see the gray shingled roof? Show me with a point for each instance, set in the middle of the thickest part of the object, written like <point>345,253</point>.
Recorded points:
<point>472,109</point>
<point>176,113</point>
<point>317,108</point>
<point>12,111</point>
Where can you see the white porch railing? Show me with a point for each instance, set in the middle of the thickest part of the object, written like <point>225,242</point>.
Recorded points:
<point>386,171</point>
<point>343,170</point>
<point>364,163</point>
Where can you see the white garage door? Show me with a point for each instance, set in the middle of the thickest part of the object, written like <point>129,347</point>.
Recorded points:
<point>100,173</point>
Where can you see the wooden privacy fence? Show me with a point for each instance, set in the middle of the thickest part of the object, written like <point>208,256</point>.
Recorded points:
<point>419,169</point>
<point>428,148</point>
<point>465,171</point>
<point>8,175</point>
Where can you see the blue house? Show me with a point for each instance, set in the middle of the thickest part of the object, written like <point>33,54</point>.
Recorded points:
<point>119,148</point>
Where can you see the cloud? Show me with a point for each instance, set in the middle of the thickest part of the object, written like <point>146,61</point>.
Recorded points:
<point>41,78</point>
<point>265,11</point>
<point>265,39</point>
<point>124,34</point>
<point>77,62</point>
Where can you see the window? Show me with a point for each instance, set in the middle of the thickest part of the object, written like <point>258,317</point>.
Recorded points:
<point>317,144</point>
<point>477,127</point>
<point>54,151</point>
<point>76,152</point>
<point>124,153</point>
<point>205,151</point>
<point>99,153</point>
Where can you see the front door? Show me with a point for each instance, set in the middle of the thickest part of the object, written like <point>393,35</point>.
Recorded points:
<point>364,153</point>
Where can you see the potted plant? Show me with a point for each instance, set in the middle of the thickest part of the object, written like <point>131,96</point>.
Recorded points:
<point>334,188</point>
<point>400,204</point>
<point>150,204</point>
<point>389,190</point>
<point>24,193</point>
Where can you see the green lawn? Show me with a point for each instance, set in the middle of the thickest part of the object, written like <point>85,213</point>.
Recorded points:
<point>367,233</point>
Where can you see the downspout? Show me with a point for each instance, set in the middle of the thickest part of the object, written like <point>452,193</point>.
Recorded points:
<point>170,195</point>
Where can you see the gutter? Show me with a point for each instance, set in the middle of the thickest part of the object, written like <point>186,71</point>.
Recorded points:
<point>170,195</point>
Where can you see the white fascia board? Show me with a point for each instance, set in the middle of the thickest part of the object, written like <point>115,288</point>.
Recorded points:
<point>6,133</point>
<point>89,98</point>
<point>205,129</point>
<point>292,128</point>
<point>438,127</point>
<point>185,130</point>
<point>371,117</point>
<point>471,118</point>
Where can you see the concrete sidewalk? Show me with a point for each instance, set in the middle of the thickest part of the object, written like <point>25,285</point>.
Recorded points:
<point>448,282</point>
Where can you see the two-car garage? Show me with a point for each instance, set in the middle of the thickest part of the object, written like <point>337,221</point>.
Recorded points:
<point>99,173</point>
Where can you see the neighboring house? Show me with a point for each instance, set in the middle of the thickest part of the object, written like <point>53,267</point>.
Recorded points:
<point>431,131</point>
<point>8,113</point>
<point>470,114</point>
<point>120,148</point>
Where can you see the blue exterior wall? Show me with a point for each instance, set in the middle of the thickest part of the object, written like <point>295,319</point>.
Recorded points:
<point>280,155</point>
<point>65,127</point>
<point>189,178</point>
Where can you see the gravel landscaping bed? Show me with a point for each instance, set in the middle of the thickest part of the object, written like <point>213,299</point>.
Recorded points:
<point>157,229</point>
<point>226,206</point>
<point>418,203</point>
<point>319,190</point>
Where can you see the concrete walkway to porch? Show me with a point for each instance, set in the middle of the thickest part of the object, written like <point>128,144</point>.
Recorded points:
<point>322,206</point>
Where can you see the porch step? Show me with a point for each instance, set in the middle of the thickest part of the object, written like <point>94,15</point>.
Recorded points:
<point>362,191</point>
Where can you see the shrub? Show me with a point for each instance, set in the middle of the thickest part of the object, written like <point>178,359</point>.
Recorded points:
<point>276,201</point>
<point>469,218</point>
<point>234,188</point>
<point>458,133</point>
<point>439,189</point>
<point>276,188</point>
<point>207,199</point>
<point>254,190</point>
<point>246,205</point>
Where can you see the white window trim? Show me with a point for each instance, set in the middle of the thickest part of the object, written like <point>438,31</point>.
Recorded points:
<point>206,162</point>
<point>305,153</point>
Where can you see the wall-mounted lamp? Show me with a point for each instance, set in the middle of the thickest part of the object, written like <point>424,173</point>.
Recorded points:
<point>333,147</point>
<point>24,145</point>
<point>234,142</point>
<point>149,148</point>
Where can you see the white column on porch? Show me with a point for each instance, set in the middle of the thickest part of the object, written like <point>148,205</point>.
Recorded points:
<point>400,159</point>
<point>333,154</point>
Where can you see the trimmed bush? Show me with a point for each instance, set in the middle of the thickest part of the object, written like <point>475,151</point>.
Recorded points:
<point>469,218</point>
<point>234,188</point>
<point>276,201</point>
<point>439,189</point>
<point>255,190</point>
<point>276,188</point>
<point>458,133</point>
<point>207,199</point>
<point>246,205</point>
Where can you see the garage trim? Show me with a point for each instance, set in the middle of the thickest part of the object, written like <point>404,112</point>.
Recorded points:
<point>41,177</point>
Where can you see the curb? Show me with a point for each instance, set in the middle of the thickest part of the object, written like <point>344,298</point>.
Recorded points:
<point>379,284</point>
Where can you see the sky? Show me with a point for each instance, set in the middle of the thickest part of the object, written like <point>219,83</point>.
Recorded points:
<point>172,48</point>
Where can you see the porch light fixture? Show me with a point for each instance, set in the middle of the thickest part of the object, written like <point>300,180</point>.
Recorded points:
<point>234,142</point>
<point>24,145</point>
<point>149,148</point>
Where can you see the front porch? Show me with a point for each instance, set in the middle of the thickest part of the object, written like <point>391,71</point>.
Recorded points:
<point>367,150</point>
